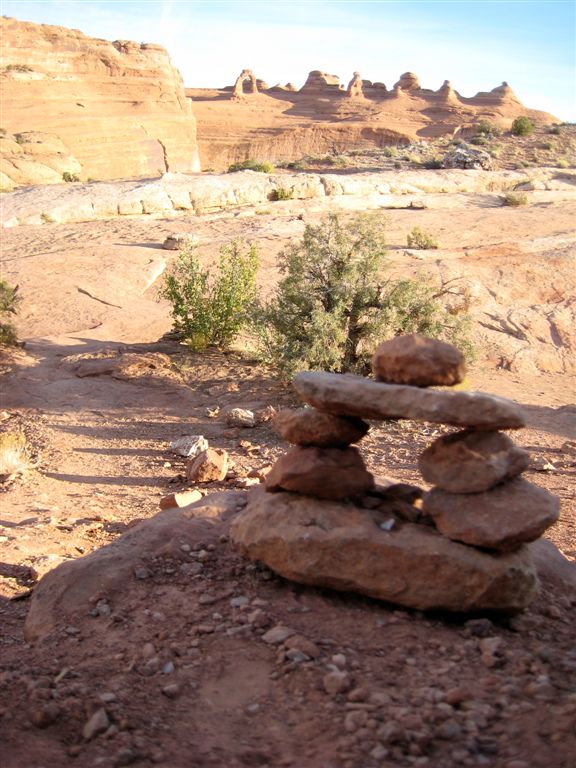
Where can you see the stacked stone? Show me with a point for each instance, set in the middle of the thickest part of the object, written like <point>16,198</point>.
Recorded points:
<point>474,555</point>
<point>322,462</point>
<point>478,497</point>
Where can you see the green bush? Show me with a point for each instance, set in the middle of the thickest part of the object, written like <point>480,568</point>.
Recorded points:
<point>486,128</point>
<point>282,193</point>
<point>515,199</point>
<point>433,163</point>
<point>67,176</point>
<point>210,307</point>
<point>522,126</point>
<point>9,301</point>
<point>417,238</point>
<point>251,165</point>
<point>334,305</point>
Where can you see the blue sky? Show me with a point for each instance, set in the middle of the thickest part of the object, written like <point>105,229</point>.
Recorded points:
<point>476,44</point>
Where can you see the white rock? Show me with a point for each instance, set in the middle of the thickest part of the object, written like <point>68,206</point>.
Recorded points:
<point>189,446</point>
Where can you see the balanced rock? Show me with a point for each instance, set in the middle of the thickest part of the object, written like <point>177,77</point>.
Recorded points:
<point>419,361</point>
<point>307,426</point>
<point>503,518</point>
<point>209,466</point>
<point>337,545</point>
<point>471,462</point>
<point>349,395</point>
<point>328,473</point>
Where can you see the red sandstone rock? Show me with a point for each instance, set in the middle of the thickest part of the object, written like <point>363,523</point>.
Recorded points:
<point>471,462</point>
<point>503,518</point>
<point>180,499</point>
<point>336,544</point>
<point>118,108</point>
<point>348,395</point>
<point>307,426</point>
<point>328,473</point>
<point>419,361</point>
<point>209,466</point>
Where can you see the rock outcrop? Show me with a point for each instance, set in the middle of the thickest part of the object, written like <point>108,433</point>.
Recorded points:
<point>245,82</point>
<point>90,108</point>
<point>408,82</point>
<point>355,88</point>
<point>318,82</point>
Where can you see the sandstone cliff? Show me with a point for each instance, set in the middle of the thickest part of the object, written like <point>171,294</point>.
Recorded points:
<point>281,124</point>
<point>89,108</point>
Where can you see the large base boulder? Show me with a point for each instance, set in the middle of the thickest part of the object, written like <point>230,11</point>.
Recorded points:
<point>338,545</point>
<point>68,593</point>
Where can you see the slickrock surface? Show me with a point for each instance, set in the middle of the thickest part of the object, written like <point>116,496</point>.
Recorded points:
<point>93,108</point>
<point>303,539</point>
<point>348,395</point>
<point>307,426</point>
<point>470,462</point>
<point>419,361</point>
<point>327,473</point>
<point>503,518</point>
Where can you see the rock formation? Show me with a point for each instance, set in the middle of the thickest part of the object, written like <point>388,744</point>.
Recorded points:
<point>245,82</point>
<point>91,108</point>
<point>408,82</point>
<point>324,520</point>
<point>355,88</point>
<point>323,117</point>
<point>318,81</point>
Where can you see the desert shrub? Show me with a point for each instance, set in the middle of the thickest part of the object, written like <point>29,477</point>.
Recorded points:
<point>18,68</point>
<point>486,128</point>
<point>282,193</point>
<point>417,238</point>
<point>522,126</point>
<point>480,140</point>
<point>14,454</point>
<point>554,130</point>
<point>433,163</point>
<point>515,199</point>
<point>46,218</point>
<point>251,165</point>
<point>9,301</point>
<point>67,176</point>
<point>389,151</point>
<point>334,304</point>
<point>547,146</point>
<point>562,163</point>
<point>210,307</point>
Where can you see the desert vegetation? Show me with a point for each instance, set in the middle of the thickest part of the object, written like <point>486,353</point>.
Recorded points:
<point>522,126</point>
<point>210,307</point>
<point>9,301</point>
<point>332,305</point>
<point>421,240</point>
<point>252,165</point>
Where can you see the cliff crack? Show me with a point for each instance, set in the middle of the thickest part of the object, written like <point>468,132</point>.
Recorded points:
<point>86,293</point>
<point>165,153</point>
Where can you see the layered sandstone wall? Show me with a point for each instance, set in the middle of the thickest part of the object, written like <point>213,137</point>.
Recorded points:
<point>93,108</point>
<point>281,125</point>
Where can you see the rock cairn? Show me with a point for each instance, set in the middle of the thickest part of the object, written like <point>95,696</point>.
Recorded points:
<point>322,518</point>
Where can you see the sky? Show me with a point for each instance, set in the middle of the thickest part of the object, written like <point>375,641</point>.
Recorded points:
<point>476,44</point>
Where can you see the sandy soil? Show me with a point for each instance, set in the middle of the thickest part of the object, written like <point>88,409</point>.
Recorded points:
<point>422,688</point>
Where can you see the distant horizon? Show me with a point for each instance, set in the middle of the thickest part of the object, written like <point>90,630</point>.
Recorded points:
<point>476,45</point>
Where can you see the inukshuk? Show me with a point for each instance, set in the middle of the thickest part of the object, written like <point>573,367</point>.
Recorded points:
<point>323,519</point>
